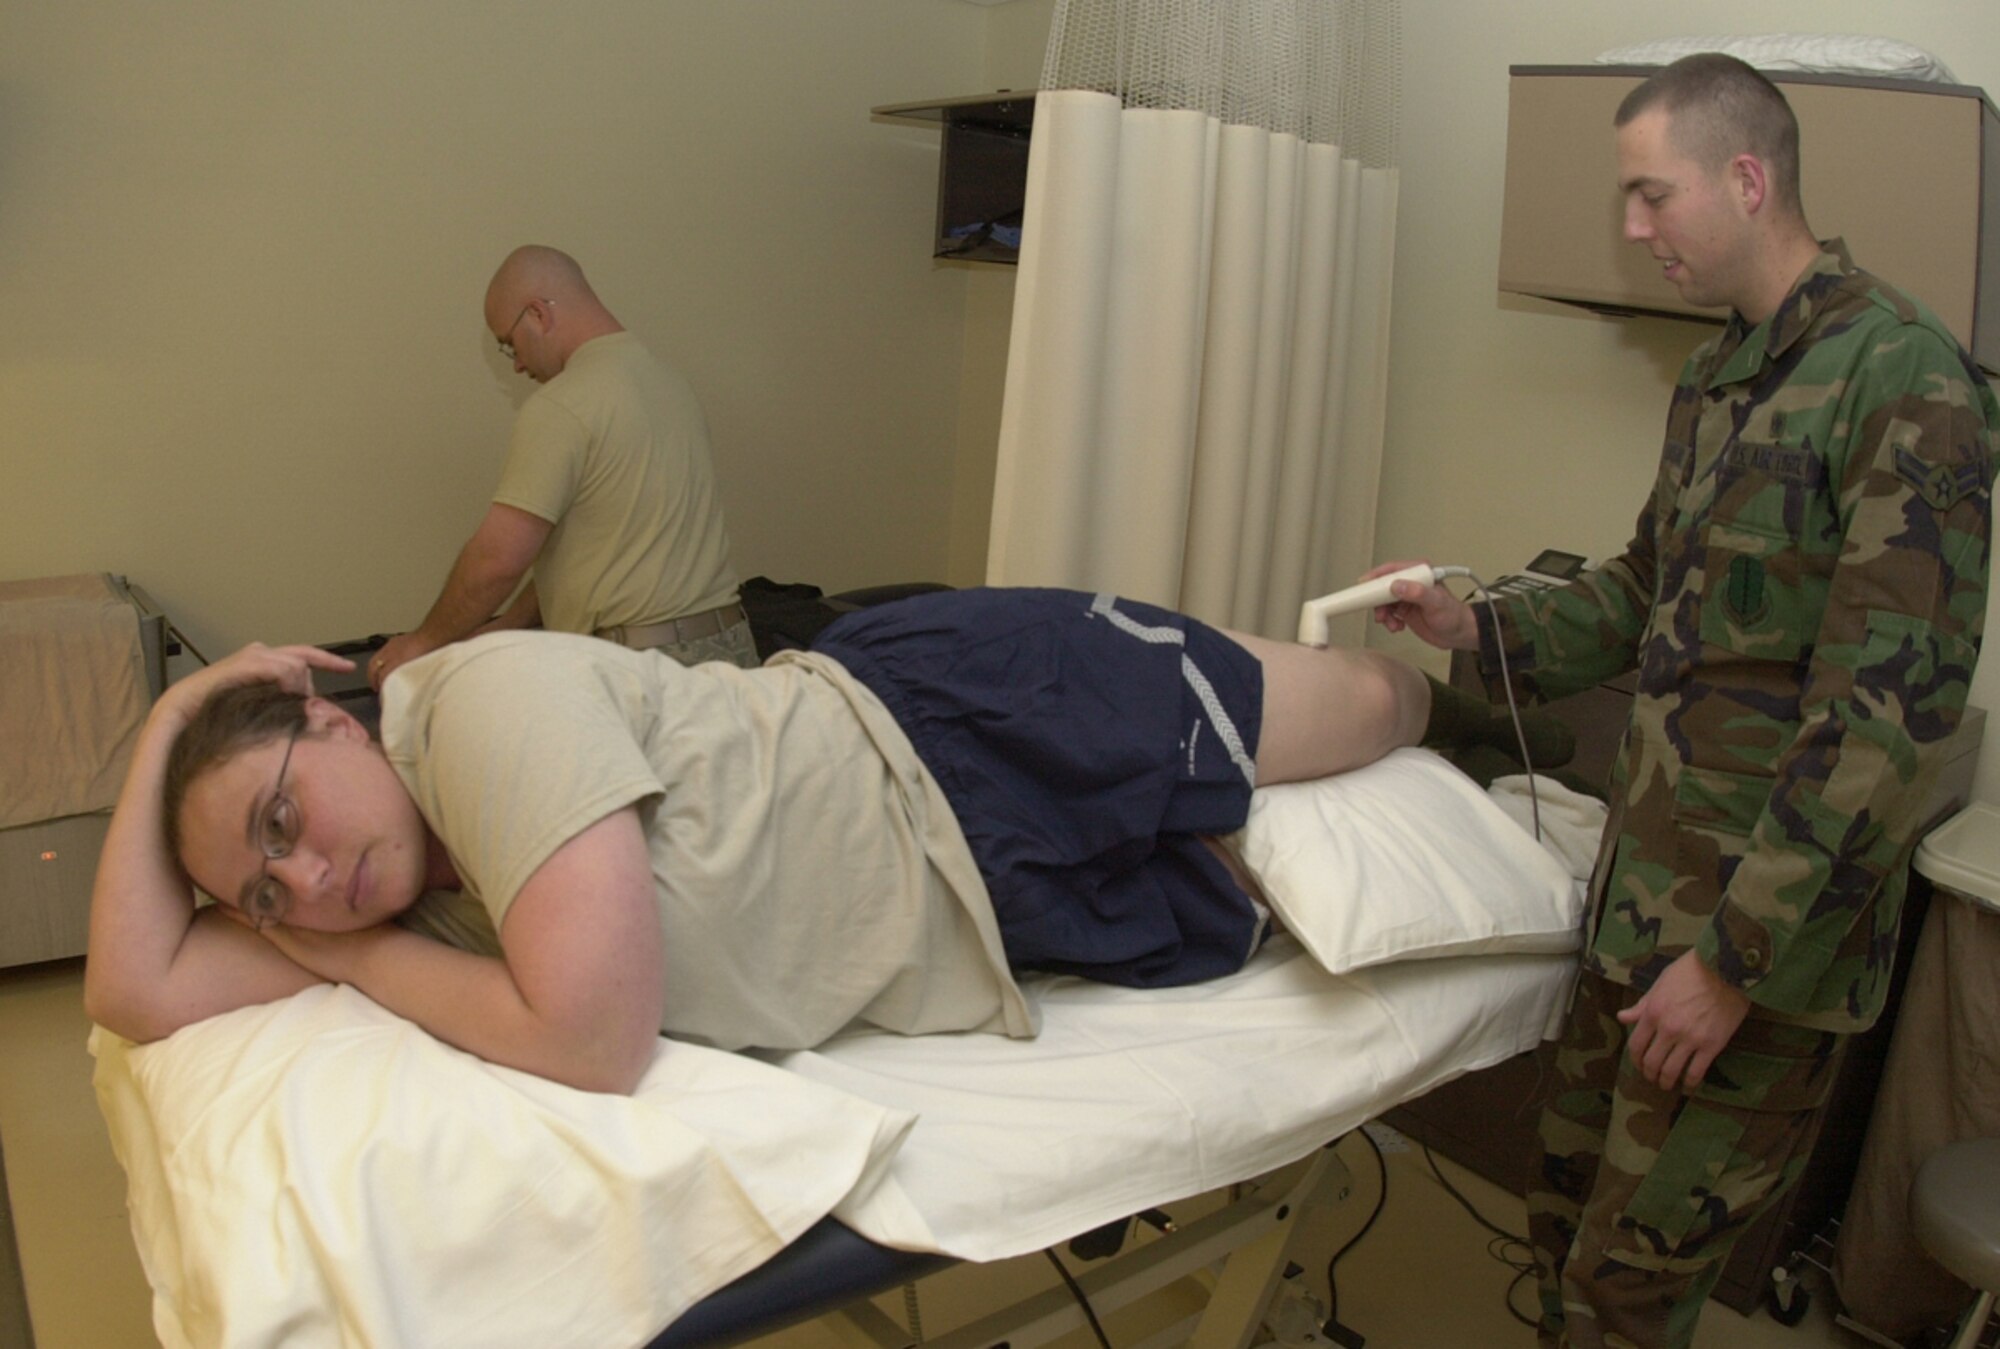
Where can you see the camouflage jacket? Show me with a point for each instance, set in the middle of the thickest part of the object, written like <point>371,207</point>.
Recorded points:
<point>1802,601</point>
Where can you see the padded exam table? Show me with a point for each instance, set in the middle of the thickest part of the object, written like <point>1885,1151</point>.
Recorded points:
<point>318,1171</point>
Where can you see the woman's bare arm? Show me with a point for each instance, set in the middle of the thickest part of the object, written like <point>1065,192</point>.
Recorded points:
<point>576,999</point>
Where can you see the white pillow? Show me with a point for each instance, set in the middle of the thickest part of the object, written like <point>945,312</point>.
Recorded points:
<point>1405,859</point>
<point>1813,53</point>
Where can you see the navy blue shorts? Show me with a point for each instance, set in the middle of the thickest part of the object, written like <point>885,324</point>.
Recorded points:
<point>1084,743</point>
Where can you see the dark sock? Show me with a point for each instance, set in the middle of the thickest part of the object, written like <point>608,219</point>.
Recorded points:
<point>1461,720</point>
<point>1457,717</point>
<point>1483,763</point>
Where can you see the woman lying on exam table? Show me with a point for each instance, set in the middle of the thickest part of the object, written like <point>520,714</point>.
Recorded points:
<point>582,846</point>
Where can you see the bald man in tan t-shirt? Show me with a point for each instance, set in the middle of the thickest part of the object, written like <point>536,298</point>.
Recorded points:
<point>608,492</point>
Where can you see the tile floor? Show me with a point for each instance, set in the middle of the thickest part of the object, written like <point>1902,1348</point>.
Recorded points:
<point>1421,1279</point>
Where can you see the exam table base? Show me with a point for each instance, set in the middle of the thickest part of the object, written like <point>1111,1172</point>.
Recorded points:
<point>1232,1258</point>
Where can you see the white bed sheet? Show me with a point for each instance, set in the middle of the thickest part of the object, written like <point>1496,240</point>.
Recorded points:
<point>1159,1095</point>
<point>321,1172</point>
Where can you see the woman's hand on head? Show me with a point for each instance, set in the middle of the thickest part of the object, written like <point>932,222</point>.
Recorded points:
<point>289,667</point>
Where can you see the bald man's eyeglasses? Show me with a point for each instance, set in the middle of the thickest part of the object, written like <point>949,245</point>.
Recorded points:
<point>507,342</point>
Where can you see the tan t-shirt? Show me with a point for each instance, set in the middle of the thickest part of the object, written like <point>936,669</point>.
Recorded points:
<point>614,453</point>
<point>809,872</point>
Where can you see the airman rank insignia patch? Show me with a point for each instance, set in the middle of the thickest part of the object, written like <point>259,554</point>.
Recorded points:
<point>1941,486</point>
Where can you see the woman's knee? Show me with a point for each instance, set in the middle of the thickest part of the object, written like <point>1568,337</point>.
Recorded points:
<point>1409,698</point>
<point>1326,711</point>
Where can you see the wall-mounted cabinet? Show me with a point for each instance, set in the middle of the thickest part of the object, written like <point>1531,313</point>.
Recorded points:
<point>1907,173</point>
<point>982,170</point>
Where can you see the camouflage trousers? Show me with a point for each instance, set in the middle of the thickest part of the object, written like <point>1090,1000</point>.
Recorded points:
<point>1643,1192</point>
<point>733,644</point>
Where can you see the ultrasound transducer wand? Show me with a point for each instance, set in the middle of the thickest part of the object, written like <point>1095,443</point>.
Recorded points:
<point>1313,615</point>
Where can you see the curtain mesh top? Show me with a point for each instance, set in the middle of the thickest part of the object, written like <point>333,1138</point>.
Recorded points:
<point>1326,70</point>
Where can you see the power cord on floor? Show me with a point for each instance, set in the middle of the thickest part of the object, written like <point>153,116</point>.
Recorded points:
<point>1076,1291</point>
<point>1522,1264</point>
<point>1334,1330</point>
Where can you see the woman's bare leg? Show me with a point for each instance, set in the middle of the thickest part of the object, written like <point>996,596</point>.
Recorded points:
<point>1331,709</point>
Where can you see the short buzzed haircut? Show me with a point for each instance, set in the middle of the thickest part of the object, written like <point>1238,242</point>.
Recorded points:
<point>1719,107</point>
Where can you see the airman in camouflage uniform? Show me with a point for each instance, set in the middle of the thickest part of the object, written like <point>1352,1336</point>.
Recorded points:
<point>1802,600</point>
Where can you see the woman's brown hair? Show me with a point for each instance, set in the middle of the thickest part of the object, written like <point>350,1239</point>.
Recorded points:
<point>233,720</point>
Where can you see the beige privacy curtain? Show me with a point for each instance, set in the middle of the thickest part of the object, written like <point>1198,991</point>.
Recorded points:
<point>1198,366</point>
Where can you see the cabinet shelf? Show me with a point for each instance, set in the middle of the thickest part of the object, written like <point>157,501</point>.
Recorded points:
<point>982,170</point>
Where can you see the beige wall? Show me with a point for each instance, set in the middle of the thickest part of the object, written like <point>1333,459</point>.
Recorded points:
<point>244,247</point>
